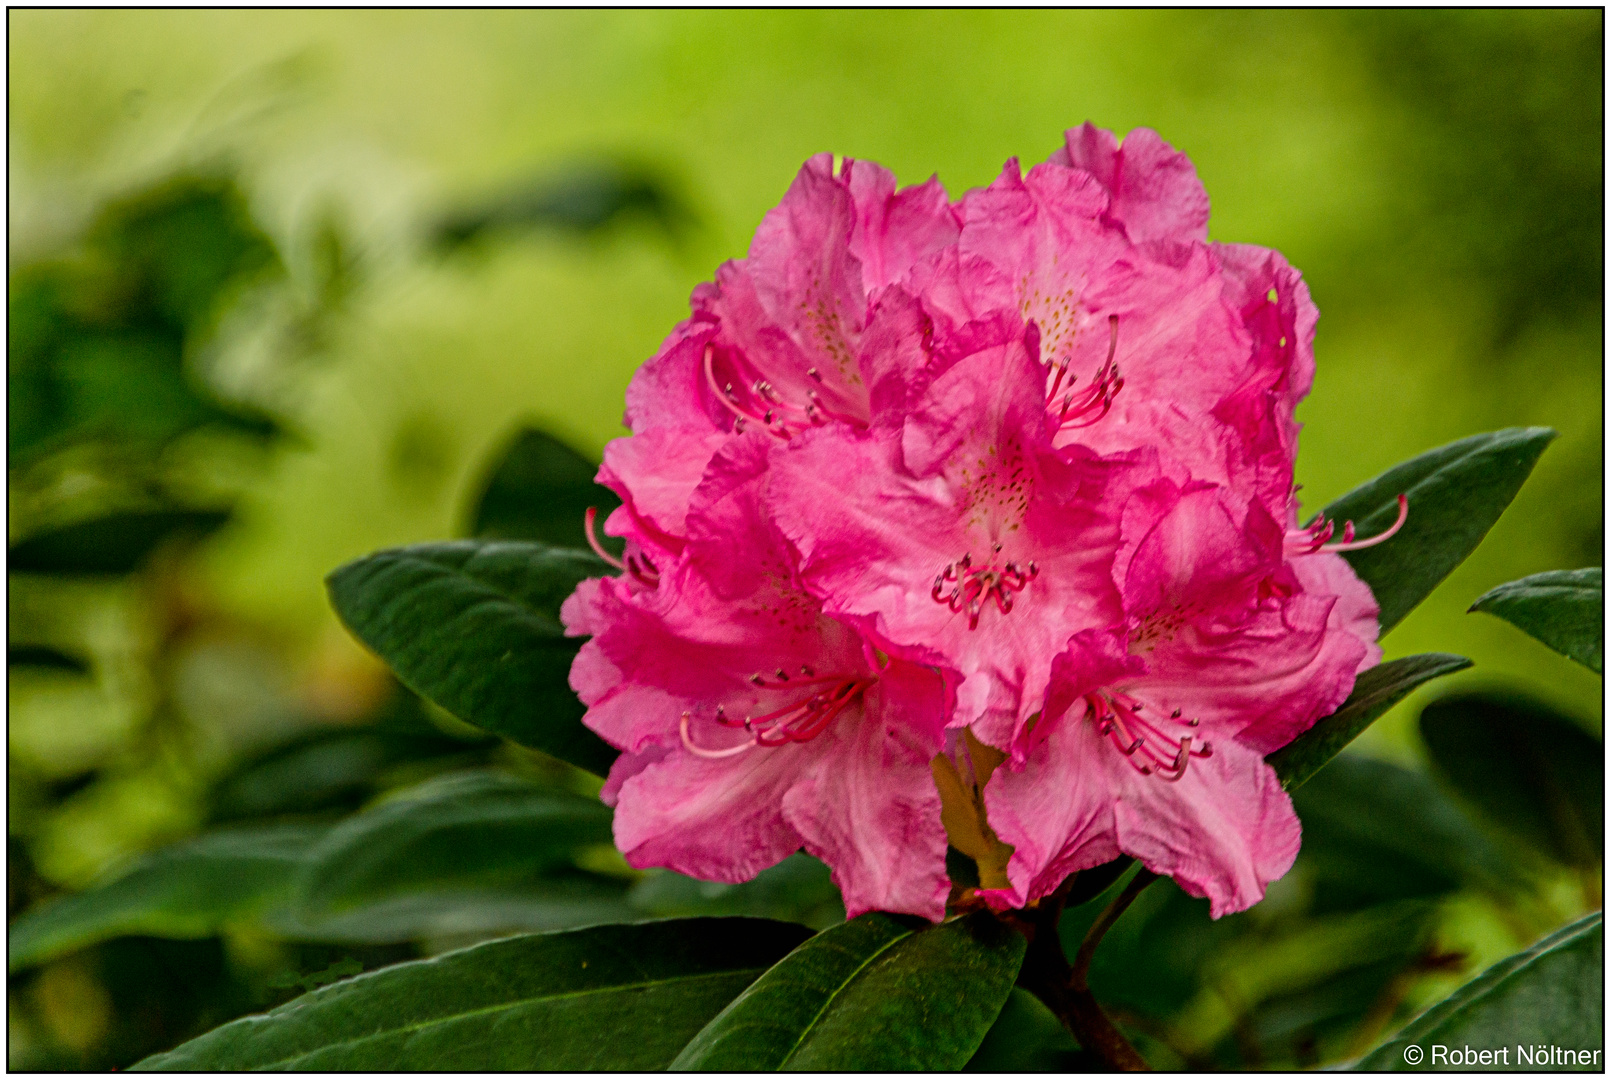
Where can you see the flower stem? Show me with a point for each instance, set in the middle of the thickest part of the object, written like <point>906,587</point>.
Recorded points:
<point>1063,989</point>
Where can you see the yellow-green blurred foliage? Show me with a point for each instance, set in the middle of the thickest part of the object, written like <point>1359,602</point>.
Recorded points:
<point>1436,175</point>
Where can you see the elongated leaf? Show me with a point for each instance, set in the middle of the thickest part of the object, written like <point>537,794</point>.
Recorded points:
<point>474,626</point>
<point>189,890</point>
<point>798,889</point>
<point>1373,832</point>
<point>1456,493</point>
<point>1535,774</point>
<point>1376,691</point>
<point>1027,1037</point>
<point>453,832</point>
<point>1551,995</point>
<point>877,993</point>
<point>115,544</point>
<point>609,997</point>
<point>1565,609</point>
<point>540,490</point>
<point>560,900</point>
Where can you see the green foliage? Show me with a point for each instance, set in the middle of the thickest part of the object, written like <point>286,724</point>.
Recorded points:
<point>1456,494</point>
<point>467,852</point>
<point>798,889</point>
<point>875,994</point>
<point>1565,609</point>
<point>117,543</point>
<point>1375,691</point>
<point>1027,1037</point>
<point>610,997</point>
<point>540,490</point>
<point>1549,995</point>
<point>97,346</point>
<point>475,628</point>
<point>1375,832</point>
<point>190,890</point>
<point>1537,776</point>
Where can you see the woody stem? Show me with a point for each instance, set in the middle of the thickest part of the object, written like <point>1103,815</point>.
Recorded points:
<point>1063,989</point>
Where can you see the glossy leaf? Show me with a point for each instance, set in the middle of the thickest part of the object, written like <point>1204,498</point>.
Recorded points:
<point>1456,494</point>
<point>474,626</point>
<point>189,890</point>
<point>479,829</point>
<point>1375,691</point>
<point>1535,774</point>
<point>1373,831</point>
<point>540,490</point>
<point>874,994</point>
<point>1028,1037</point>
<point>1565,609</point>
<point>609,997</point>
<point>1552,994</point>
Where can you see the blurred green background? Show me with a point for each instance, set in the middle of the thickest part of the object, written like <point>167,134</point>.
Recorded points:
<point>425,230</point>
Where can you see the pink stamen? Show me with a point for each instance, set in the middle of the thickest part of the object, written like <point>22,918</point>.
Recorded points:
<point>970,588</point>
<point>1162,754</point>
<point>590,526</point>
<point>1312,539</point>
<point>1077,409</point>
<point>713,755</point>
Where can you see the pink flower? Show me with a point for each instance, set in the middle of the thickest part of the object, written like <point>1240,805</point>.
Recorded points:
<point>1001,490</point>
<point>751,723</point>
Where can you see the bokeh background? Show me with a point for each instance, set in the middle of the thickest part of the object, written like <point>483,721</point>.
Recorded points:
<point>285,285</point>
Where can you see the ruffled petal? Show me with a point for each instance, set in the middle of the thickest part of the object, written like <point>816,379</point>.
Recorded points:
<point>1153,189</point>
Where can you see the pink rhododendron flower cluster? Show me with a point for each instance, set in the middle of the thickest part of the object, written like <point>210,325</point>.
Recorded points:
<point>997,489</point>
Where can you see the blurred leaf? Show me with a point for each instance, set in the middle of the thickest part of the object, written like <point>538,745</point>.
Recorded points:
<point>1537,775</point>
<point>582,198</point>
<point>798,889</point>
<point>97,345</point>
<point>559,900</point>
<point>874,994</point>
<point>459,831</point>
<point>1553,994</point>
<point>42,656</point>
<point>1565,609</point>
<point>189,890</point>
<point>114,544</point>
<point>609,997</point>
<point>540,490</point>
<point>474,627</point>
<point>1374,832</point>
<point>1375,691</point>
<point>1456,493</point>
<point>1027,1037</point>
<point>329,769</point>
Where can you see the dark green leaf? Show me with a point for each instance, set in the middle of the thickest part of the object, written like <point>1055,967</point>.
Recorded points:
<point>336,769</point>
<point>189,890</point>
<point>1551,995</point>
<point>1537,775</point>
<point>1456,493</point>
<point>609,997</point>
<point>1027,1037</point>
<point>874,994</point>
<point>469,830</point>
<point>42,656</point>
<point>1374,832</point>
<point>114,544</point>
<point>559,900</point>
<point>584,197</point>
<point>798,889</point>
<point>1565,609</point>
<point>474,626</point>
<point>540,490</point>
<point>1375,691</point>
